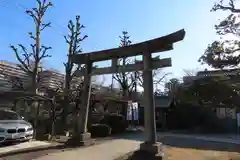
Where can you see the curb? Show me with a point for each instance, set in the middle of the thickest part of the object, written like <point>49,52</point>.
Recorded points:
<point>32,149</point>
<point>50,146</point>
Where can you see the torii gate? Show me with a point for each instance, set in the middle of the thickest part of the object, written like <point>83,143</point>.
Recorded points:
<point>145,49</point>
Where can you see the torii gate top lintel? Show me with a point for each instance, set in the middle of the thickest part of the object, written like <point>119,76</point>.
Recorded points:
<point>160,44</point>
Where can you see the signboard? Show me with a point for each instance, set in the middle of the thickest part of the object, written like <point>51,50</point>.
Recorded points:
<point>238,119</point>
<point>135,111</point>
<point>132,111</point>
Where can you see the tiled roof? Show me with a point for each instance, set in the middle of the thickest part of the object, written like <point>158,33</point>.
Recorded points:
<point>226,72</point>
<point>160,102</point>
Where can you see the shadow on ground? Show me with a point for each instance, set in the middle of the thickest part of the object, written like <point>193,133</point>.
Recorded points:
<point>192,143</point>
<point>44,150</point>
<point>49,149</point>
<point>139,155</point>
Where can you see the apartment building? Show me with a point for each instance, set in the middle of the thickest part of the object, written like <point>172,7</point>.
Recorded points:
<point>54,79</point>
<point>8,71</point>
<point>51,79</point>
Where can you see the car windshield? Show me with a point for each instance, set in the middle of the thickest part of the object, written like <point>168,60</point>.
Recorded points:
<point>8,115</point>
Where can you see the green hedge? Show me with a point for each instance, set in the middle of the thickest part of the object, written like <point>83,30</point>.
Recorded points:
<point>100,130</point>
<point>117,122</point>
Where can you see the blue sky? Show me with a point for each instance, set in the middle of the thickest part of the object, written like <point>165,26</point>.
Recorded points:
<point>105,20</point>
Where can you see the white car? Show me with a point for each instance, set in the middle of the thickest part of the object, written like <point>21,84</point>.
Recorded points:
<point>13,128</point>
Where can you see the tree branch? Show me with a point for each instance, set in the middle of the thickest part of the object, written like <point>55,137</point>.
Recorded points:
<point>37,52</point>
<point>230,7</point>
<point>45,25</point>
<point>221,54</point>
<point>34,17</point>
<point>156,78</point>
<point>16,82</point>
<point>24,66</point>
<point>31,36</point>
<point>44,50</point>
<point>159,80</point>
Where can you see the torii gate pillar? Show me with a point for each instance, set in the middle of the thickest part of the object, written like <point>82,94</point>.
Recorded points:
<point>151,144</point>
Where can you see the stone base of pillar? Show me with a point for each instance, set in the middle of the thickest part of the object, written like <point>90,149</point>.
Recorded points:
<point>83,139</point>
<point>155,150</point>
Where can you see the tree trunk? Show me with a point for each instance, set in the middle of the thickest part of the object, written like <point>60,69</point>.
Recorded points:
<point>53,119</point>
<point>37,60</point>
<point>65,103</point>
<point>36,119</point>
<point>125,105</point>
<point>33,88</point>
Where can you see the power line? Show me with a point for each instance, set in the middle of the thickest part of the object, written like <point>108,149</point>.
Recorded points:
<point>18,5</point>
<point>4,4</point>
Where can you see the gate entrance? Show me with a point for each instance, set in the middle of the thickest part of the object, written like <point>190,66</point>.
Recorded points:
<point>148,64</point>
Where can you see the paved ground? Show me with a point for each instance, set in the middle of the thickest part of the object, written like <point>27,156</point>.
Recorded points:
<point>103,151</point>
<point>179,145</point>
<point>34,153</point>
<point>225,138</point>
<point>213,138</point>
<point>24,145</point>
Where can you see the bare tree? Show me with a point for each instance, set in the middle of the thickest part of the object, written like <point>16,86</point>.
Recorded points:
<point>172,86</point>
<point>126,80</point>
<point>158,77</point>
<point>190,72</point>
<point>52,94</point>
<point>73,40</point>
<point>130,81</point>
<point>30,59</point>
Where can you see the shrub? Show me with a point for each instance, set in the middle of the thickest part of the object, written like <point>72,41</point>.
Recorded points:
<point>117,122</point>
<point>100,130</point>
